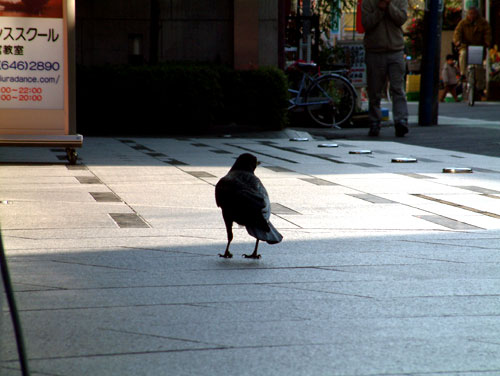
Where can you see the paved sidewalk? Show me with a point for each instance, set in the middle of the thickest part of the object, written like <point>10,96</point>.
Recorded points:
<point>460,127</point>
<point>385,269</point>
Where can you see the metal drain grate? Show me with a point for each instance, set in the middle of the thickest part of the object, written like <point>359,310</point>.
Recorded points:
<point>282,209</point>
<point>416,176</point>
<point>105,197</point>
<point>88,180</point>
<point>278,169</point>
<point>176,162</point>
<point>447,222</point>
<point>128,220</point>
<point>141,147</point>
<point>371,198</point>
<point>200,174</point>
<point>365,165</point>
<point>318,181</point>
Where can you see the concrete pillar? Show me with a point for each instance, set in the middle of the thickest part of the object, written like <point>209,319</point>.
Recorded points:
<point>246,34</point>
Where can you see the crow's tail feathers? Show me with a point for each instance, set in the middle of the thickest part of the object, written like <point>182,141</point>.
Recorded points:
<point>272,236</point>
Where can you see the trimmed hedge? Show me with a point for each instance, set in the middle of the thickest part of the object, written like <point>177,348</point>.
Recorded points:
<point>177,98</point>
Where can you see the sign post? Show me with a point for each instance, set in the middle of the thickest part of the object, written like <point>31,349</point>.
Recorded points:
<point>37,75</point>
<point>428,104</point>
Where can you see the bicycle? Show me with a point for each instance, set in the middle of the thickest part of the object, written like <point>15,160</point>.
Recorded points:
<point>330,99</point>
<point>470,85</point>
<point>474,58</point>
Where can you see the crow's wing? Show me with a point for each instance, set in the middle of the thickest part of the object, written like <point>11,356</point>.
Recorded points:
<point>241,200</point>
<point>239,187</point>
<point>270,235</point>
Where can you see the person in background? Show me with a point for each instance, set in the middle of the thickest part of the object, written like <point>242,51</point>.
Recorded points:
<point>384,58</point>
<point>449,75</point>
<point>473,30</point>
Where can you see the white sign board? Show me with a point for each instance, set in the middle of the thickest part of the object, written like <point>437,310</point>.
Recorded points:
<point>37,68</point>
<point>354,57</point>
<point>31,63</point>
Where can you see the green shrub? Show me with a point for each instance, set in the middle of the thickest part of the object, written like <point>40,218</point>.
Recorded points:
<point>260,97</point>
<point>177,98</point>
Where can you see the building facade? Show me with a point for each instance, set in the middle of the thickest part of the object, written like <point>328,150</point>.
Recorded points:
<point>241,33</point>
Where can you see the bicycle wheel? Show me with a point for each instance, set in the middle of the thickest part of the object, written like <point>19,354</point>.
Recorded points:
<point>471,86</point>
<point>331,100</point>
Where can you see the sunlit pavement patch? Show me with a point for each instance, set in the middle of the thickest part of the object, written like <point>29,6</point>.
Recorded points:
<point>460,206</point>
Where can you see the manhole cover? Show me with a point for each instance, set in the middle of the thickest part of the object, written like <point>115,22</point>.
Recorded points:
<point>457,170</point>
<point>328,145</point>
<point>360,152</point>
<point>404,160</point>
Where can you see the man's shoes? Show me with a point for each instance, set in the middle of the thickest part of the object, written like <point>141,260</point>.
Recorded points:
<point>401,129</point>
<point>374,130</point>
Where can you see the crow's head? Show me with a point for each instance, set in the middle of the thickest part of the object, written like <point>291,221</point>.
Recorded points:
<point>245,162</point>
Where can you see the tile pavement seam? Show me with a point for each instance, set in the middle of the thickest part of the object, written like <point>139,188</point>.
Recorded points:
<point>447,222</point>
<point>209,285</point>
<point>414,207</point>
<point>167,351</point>
<point>430,259</point>
<point>293,150</point>
<point>490,196</point>
<point>162,337</point>
<point>324,292</point>
<point>117,306</point>
<point>477,189</point>
<point>460,206</point>
<point>96,266</point>
<point>140,218</point>
<point>261,153</point>
<point>453,244</point>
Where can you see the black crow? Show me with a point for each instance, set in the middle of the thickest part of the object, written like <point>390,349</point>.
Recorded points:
<point>244,200</point>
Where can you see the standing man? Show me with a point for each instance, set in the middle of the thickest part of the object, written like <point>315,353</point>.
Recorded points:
<point>473,30</point>
<point>384,57</point>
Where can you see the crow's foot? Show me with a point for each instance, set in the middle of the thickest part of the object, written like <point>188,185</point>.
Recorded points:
<point>252,256</point>
<point>226,255</point>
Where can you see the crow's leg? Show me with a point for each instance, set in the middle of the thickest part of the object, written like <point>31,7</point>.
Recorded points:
<point>254,255</point>
<point>227,254</point>
<point>229,230</point>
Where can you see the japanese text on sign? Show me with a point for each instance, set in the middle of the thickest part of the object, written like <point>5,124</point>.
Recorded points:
<point>31,63</point>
